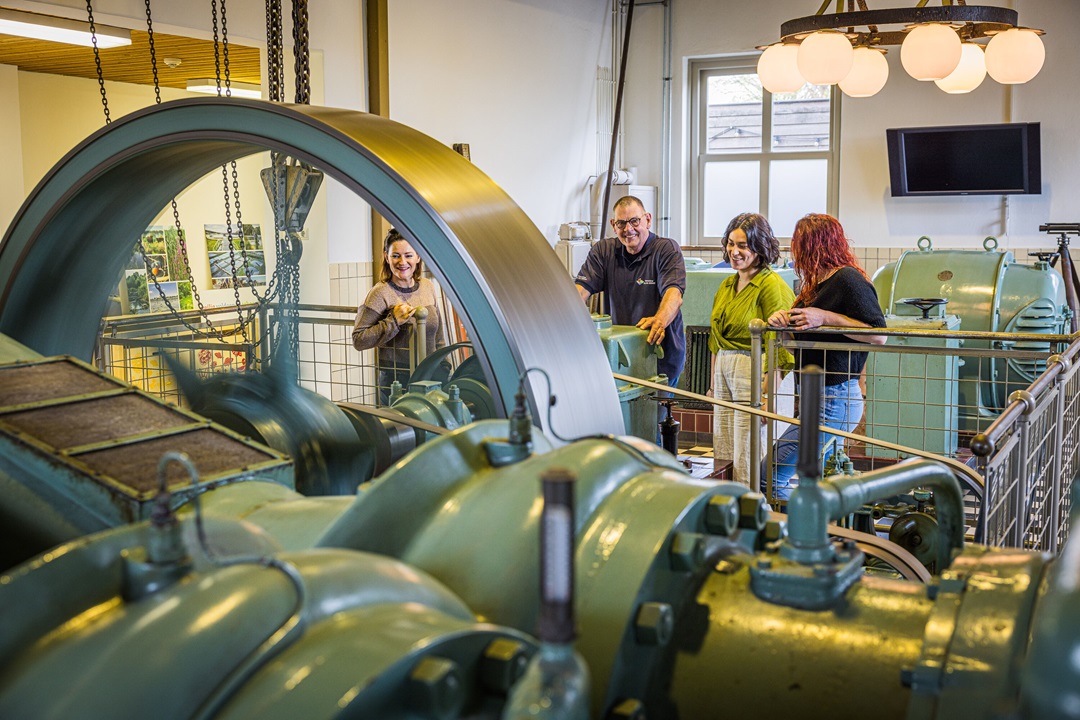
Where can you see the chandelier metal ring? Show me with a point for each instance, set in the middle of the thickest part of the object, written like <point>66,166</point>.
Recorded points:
<point>984,21</point>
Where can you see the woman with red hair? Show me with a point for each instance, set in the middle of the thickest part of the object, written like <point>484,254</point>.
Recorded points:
<point>836,293</point>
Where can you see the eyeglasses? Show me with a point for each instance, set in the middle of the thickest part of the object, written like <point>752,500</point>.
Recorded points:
<point>621,224</point>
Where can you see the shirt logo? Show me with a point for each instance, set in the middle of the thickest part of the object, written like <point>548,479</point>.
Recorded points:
<point>640,281</point>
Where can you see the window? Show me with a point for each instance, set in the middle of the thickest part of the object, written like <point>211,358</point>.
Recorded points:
<point>758,152</point>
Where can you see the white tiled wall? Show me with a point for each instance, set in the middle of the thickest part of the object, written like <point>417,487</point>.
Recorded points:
<point>873,258</point>
<point>349,283</point>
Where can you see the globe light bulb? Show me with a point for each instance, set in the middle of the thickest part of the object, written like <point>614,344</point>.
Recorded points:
<point>930,51</point>
<point>778,70</point>
<point>968,75</point>
<point>1015,56</point>
<point>869,73</point>
<point>825,57</point>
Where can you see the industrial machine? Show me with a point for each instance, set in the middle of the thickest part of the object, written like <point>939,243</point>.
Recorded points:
<point>912,398</point>
<point>236,596</point>
<point>988,291</point>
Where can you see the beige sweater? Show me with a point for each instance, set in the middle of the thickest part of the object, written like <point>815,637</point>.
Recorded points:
<point>376,327</point>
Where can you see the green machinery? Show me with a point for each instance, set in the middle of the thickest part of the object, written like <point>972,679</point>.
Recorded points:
<point>911,399</point>
<point>629,354</point>
<point>415,597</point>
<point>989,292</point>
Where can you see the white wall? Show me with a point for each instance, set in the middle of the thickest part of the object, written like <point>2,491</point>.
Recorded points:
<point>515,80</point>
<point>705,28</point>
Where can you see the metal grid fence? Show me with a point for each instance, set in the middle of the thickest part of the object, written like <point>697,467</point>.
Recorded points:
<point>945,393</point>
<point>134,349</point>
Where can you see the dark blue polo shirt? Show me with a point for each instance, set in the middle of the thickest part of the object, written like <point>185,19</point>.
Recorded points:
<point>634,285</point>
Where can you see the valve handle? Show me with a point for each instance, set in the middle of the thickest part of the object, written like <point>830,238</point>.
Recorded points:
<point>925,304</point>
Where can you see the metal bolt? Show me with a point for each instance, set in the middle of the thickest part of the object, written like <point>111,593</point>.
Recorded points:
<point>503,664</point>
<point>722,515</point>
<point>753,511</point>
<point>435,689</point>
<point>687,552</point>
<point>775,530</point>
<point>629,709</point>
<point>654,623</point>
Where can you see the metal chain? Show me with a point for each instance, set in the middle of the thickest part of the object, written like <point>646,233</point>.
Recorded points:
<point>97,60</point>
<point>275,68</point>
<point>301,52</point>
<point>225,49</point>
<point>214,333</point>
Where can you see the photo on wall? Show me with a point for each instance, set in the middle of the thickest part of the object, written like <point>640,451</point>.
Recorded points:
<point>186,301</point>
<point>138,296</point>
<point>247,237</point>
<point>159,292</point>
<point>245,265</point>
<point>153,240</point>
<point>157,268</point>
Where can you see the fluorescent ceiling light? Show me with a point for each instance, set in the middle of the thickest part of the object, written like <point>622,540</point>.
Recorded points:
<point>236,89</point>
<point>63,30</point>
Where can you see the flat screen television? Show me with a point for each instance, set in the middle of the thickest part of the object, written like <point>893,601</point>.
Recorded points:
<point>1001,159</point>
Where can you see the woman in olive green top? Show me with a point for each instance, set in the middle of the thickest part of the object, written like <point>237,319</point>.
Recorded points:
<point>755,291</point>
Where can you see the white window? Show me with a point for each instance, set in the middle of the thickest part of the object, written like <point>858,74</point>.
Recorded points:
<point>753,151</point>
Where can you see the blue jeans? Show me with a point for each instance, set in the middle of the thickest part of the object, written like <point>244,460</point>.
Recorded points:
<point>841,409</point>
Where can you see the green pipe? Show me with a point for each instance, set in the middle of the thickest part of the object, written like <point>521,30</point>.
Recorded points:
<point>813,506</point>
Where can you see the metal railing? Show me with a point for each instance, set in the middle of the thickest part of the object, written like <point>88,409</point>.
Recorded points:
<point>1026,423</point>
<point>1028,457</point>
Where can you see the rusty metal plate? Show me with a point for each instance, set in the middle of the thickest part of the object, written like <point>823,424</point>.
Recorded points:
<point>22,384</point>
<point>135,466</point>
<point>94,421</point>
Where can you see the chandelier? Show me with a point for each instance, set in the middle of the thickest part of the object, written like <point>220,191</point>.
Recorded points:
<point>955,46</point>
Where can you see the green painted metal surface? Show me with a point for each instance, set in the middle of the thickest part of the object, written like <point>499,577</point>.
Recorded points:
<point>474,528</point>
<point>628,353</point>
<point>912,399</point>
<point>989,292</point>
<point>347,635</point>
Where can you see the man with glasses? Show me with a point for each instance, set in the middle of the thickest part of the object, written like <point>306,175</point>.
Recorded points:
<point>644,278</point>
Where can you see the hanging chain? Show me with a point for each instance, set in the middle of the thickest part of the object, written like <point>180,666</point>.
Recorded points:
<point>275,68</point>
<point>97,60</point>
<point>301,53</point>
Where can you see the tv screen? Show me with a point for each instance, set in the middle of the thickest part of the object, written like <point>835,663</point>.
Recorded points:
<point>965,160</point>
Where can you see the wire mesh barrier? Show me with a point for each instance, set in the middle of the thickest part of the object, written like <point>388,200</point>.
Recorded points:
<point>942,392</point>
<point>133,348</point>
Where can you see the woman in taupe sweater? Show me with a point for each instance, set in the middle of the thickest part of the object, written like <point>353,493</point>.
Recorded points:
<point>386,319</point>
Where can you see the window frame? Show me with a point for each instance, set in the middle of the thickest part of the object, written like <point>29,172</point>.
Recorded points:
<point>700,72</point>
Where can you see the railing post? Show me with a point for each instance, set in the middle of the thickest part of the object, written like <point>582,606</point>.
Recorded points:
<point>756,328</point>
<point>1058,418</point>
<point>1023,481</point>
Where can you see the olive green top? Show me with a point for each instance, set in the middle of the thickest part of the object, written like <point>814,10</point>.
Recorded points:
<point>731,313</point>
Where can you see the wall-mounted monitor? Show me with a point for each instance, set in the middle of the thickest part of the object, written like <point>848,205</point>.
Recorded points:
<point>999,159</point>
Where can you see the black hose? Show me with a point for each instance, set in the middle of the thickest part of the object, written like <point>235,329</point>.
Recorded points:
<point>618,114</point>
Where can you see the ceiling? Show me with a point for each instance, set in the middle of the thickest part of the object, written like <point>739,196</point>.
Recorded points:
<point>131,64</point>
